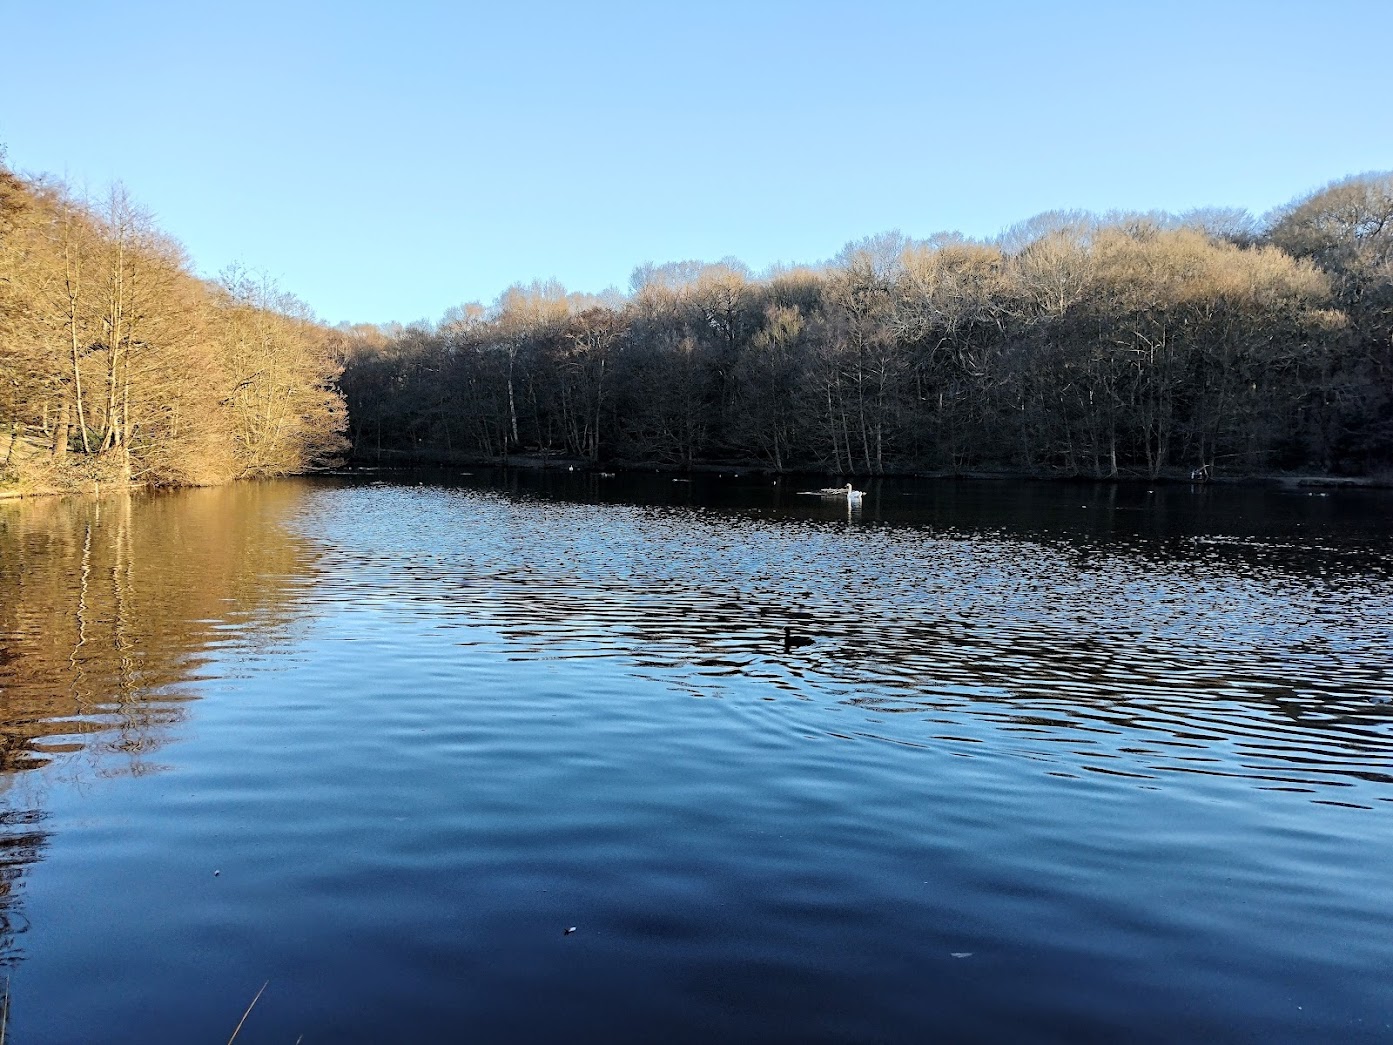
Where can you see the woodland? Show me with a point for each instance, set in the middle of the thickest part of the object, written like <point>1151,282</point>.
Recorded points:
<point>1125,345</point>
<point>1138,345</point>
<point>119,367</point>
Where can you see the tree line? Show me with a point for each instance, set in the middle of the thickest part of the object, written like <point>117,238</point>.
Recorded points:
<point>1073,344</point>
<point>1130,344</point>
<point>119,366</point>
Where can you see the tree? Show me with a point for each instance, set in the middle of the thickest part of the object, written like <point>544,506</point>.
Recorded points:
<point>280,382</point>
<point>1347,229</point>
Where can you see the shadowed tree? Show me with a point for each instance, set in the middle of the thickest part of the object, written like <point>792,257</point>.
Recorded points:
<point>1347,230</point>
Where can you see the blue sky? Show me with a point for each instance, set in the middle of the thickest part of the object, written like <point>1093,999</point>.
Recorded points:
<point>385,161</point>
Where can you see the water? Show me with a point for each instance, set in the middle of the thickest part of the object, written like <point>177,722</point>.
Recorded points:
<point>1061,763</point>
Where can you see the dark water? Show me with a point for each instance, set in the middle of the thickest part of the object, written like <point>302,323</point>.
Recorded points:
<point>1062,763</point>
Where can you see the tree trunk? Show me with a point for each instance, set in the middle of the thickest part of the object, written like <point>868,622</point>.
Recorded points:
<point>60,432</point>
<point>512,404</point>
<point>77,377</point>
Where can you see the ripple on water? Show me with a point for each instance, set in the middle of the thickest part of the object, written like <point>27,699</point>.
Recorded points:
<point>1027,782</point>
<point>1276,676</point>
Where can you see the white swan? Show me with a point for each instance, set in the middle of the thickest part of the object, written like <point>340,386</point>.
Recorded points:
<point>852,496</point>
<point>842,491</point>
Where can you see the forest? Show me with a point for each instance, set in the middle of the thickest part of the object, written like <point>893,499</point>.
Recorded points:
<point>119,367</point>
<point>1140,345</point>
<point>1125,345</point>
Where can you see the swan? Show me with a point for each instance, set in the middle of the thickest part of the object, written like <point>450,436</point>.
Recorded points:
<point>854,496</point>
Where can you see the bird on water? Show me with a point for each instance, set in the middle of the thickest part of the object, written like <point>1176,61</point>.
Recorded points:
<point>792,641</point>
<point>853,496</point>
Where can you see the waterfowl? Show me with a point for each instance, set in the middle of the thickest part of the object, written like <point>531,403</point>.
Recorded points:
<point>837,491</point>
<point>792,641</point>
<point>852,496</point>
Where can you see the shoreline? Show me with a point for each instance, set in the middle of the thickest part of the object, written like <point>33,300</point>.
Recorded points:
<point>733,469</point>
<point>435,461</point>
<point>530,462</point>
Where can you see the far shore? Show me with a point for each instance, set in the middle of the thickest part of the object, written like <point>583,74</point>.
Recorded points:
<point>433,463</point>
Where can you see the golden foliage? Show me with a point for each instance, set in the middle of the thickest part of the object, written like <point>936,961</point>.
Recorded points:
<point>132,370</point>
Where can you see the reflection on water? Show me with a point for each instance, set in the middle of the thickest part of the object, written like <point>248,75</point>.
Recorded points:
<point>108,608</point>
<point>1117,653</point>
<point>1059,761</point>
<point>108,605</point>
<point>22,843</point>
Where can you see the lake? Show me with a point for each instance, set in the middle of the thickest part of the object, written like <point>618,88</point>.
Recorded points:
<point>1059,762</point>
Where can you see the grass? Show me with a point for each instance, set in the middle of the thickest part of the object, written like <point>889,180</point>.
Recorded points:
<point>5,1013</point>
<point>236,1031</point>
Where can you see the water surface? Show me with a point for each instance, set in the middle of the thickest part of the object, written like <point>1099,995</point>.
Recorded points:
<point>1061,762</point>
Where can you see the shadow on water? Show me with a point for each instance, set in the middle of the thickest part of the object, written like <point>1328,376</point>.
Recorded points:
<point>1294,529</point>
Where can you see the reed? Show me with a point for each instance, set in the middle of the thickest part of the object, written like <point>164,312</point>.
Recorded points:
<point>238,1029</point>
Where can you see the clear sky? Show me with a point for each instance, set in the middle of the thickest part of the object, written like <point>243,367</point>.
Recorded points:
<point>388,160</point>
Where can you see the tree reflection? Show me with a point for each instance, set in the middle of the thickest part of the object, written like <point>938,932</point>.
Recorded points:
<point>22,843</point>
<point>108,607</point>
